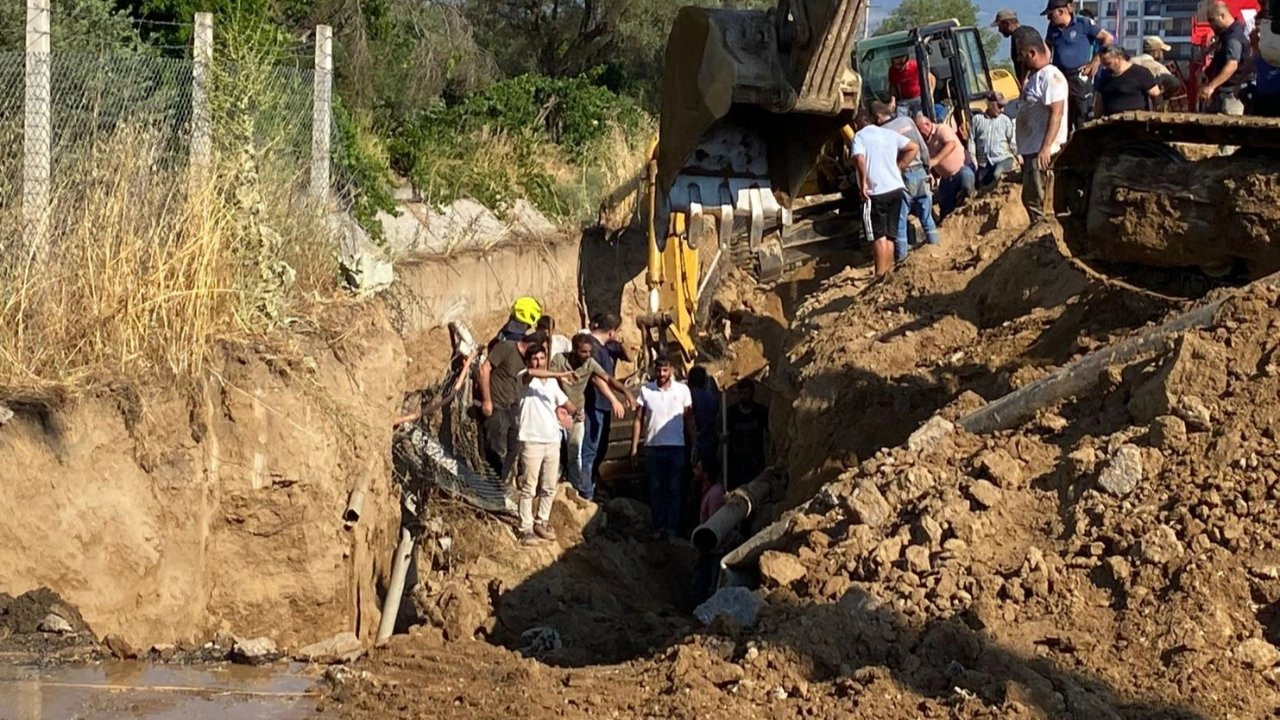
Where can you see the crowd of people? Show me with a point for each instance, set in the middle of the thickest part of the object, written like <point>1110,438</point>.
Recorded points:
<point>909,164</point>
<point>546,403</point>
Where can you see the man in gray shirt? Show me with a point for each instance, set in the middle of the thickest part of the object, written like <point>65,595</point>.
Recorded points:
<point>918,198</point>
<point>993,141</point>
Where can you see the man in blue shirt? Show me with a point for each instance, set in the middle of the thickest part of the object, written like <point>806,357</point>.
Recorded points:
<point>1071,40</point>
<point>1229,70</point>
<point>994,142</point>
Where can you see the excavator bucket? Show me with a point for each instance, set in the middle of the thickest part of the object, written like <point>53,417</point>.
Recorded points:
<point>751,100</point>
<point>788,79</point>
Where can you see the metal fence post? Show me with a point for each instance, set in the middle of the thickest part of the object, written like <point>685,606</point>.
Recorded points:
<point>37,129</point>
<point>322,114</point>
<point>201,124</point>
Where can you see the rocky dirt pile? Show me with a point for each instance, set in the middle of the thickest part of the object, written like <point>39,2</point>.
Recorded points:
<point>1114,557</point>
<point>601,592</point>
<point>1117,557</point>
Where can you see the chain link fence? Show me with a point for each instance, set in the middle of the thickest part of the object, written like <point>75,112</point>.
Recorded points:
<point>137,110</point>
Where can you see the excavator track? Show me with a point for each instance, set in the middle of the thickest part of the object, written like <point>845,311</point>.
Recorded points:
<point>1128,190</point>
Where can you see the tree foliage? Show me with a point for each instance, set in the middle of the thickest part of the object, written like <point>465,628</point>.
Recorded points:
<point>914,13</point>
<point>75,25</point>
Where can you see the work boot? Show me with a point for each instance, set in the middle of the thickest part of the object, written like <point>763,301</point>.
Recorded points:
<point>544,531</point>
<point>529,538</point>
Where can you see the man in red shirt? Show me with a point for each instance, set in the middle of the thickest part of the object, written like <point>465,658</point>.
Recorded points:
<point>904,78</point>
<point>904,82</point>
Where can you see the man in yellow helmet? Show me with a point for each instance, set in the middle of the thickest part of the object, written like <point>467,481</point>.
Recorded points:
<point>525,312</point>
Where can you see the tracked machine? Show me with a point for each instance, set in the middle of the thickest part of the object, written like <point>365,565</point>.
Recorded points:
<point>1173,190</point>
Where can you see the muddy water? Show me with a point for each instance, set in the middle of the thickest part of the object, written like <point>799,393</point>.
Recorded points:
<point>134,690</point>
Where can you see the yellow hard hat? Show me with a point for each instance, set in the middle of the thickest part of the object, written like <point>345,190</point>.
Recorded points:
<point>527,310</point>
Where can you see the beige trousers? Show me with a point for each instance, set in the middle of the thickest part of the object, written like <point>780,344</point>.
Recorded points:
<point>539,472</point>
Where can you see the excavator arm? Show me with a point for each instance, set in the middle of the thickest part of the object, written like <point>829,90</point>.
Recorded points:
<point>750,99</point>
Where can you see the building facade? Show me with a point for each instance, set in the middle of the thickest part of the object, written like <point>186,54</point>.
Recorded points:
<point>1131,20</point>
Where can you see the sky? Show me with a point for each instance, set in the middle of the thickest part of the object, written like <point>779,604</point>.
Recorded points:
<point>1028,11</point>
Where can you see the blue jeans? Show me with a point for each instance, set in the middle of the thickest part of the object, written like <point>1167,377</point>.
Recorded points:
<point>597,431</point>
<point>989,175</point>
<point>954,190</point>
<point>918,200</point>
<point>664,464</point>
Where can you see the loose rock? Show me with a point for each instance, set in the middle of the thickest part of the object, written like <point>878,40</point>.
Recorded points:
<point>1257,654</point>
<point>1167,432</point>
<point>254,651</point>
<point>341,648</point>
<point>737,603</point>
<point>868,505</point>
<point>55,624</point>
<point>929,436</point>
<point>985,494</point>
<point>1124,472</point>
<point>780,569</point>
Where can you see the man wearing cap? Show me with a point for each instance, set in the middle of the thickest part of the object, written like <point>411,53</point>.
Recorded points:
<point>993,142</point>
<point>1042,125</point>
<point>1007,24</point>
<point>1229,70</point>
<point>1152,58</point>
<point>1071,41</point>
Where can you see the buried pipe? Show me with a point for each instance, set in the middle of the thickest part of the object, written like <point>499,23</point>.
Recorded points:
<point>355,504</point>
<point>738,505</point>
<point>395,590</point>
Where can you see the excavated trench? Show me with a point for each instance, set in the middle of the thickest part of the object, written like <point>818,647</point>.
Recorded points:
<point>599,621</point>
<point>851,368</point>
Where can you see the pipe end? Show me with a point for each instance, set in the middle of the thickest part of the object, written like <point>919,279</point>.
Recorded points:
<point>704,539</point>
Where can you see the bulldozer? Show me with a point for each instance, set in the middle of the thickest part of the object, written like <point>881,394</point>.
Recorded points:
<point>752,167</point>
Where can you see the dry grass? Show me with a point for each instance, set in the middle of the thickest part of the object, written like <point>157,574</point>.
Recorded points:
<point>145,269</point>
<point>621,195</point>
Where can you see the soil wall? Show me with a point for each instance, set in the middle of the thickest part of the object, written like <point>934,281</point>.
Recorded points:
<point>167,515</point>
<point>477,287</point>
<point>170,515</point>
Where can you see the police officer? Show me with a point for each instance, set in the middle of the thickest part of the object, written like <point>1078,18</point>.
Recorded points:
<point>1229,70</point>
<point>1071,40</point>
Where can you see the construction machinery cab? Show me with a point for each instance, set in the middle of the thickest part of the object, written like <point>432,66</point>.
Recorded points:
<point>951,54</point>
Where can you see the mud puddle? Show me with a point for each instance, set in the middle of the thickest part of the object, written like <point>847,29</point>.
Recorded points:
<point>131,689</point>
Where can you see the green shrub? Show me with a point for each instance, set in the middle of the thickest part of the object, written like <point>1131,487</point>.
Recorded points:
<point>360,171</point>
<point>512,139</point>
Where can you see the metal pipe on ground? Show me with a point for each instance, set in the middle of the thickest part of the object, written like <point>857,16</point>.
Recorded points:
<point>395,590</point>
<point>738,505</point>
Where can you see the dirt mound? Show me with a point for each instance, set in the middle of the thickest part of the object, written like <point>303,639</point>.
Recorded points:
<point>1113,557</point>
<point>982,314</point>
<point>601,592</point>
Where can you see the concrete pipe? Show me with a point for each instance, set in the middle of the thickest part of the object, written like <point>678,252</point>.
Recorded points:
<point>738,505</point>
<point>395,591</point>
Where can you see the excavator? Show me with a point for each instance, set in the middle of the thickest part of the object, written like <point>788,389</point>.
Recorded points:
<point>752,166</point>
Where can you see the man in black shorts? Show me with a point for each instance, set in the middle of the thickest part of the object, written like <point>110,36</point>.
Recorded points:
<point>881,155</point>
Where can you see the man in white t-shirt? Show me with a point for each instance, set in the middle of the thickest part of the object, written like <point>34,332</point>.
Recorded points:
<point>881,155</point>
<point>541,399</point>
<point>1041,128</point>
<point>665,414</point>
